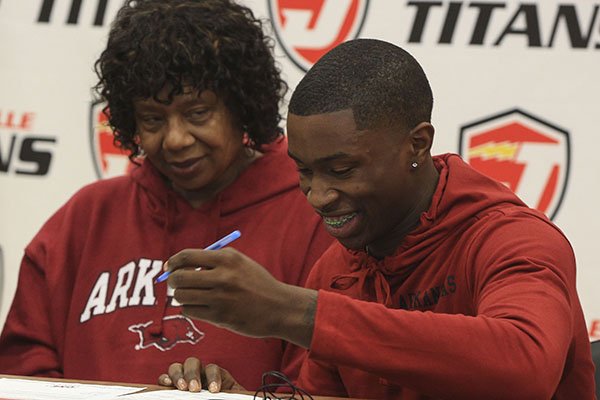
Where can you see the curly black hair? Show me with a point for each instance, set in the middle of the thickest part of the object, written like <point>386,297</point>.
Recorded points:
<point>217,45</point>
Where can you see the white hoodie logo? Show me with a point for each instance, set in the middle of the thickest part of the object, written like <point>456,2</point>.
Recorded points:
<point>142,294</point>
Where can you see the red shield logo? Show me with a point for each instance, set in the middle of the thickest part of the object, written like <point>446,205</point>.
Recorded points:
<point>527,154</point>
<point>109,160</point>
<point>307,29</point>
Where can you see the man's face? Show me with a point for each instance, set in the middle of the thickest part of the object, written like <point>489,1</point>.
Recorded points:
<point>359,181</point>
<point>194,141</point>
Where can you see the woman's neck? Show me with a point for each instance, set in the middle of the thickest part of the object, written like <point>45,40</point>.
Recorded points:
<point>196,198</point>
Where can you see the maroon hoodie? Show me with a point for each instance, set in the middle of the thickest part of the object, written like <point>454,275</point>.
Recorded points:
<point>478,302</point>
<point>87,307</point>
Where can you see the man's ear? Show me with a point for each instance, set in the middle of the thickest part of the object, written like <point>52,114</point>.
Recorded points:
<point>421,140</point>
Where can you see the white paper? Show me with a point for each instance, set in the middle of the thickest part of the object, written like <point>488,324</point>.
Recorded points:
<point>25,389</point>
<point>178,394</point>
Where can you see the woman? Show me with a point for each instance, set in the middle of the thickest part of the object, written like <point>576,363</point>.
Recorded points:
<point>193,94</point>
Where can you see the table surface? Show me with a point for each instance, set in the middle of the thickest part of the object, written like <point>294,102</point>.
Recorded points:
<point>149,388</point>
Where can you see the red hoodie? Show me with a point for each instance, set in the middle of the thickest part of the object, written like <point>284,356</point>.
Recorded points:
<point>87,307</point>
<point>478,302</point>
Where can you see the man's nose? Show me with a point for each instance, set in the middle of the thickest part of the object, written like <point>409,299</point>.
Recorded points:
<point>320,195</point>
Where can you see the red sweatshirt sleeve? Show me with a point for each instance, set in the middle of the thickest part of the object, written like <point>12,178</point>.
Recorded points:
<point>526,307</point>
<point>322,378</point>
<point>293,355</point>
<point>27,345</point>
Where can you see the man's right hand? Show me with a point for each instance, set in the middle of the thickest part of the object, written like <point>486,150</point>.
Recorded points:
<point>219,293</point>
<point>192,376</point>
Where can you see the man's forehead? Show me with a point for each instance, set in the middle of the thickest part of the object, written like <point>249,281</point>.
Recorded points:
<point>321,128</point>
<point>344,117</point>
<point>323,137</point>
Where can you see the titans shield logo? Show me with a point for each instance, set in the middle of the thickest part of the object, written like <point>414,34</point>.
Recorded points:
<point>307,29</point>
<point>109,160</point>
<point>527,154</point>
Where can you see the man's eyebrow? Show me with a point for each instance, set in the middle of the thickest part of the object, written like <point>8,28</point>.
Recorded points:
<point>322,160</point>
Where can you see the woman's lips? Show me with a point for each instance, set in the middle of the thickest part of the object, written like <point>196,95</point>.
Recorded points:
<point>185,167</point>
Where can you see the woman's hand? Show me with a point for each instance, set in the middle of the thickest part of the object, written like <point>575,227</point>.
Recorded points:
<point>193,376</point>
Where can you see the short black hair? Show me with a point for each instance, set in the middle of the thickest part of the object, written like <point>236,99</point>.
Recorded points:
<point>382,84</point>
<point>205,44</point>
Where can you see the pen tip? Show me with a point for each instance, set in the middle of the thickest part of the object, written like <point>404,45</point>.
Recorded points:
<point>162,277</point>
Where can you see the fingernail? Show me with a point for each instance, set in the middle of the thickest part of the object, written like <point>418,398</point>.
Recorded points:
<point>194,386</point>
<point>168,382</point>
<point>181,385</point>
<point>213,387</point>
<point>166,266</point>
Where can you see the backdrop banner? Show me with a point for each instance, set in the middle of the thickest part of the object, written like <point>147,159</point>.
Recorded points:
<point>515,86</point>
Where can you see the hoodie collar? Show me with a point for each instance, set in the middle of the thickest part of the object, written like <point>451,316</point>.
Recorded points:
<point>269,172</point>
<point>461,196</point>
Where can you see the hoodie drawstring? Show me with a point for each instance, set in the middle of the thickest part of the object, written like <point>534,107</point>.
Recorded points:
<point>362,270</point>
<point>160,289</point>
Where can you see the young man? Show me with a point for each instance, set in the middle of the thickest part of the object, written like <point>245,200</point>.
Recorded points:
<point>443,284</point>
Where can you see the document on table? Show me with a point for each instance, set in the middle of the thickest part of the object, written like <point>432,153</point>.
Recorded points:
<point>19,389</point>
<point>180,395</point>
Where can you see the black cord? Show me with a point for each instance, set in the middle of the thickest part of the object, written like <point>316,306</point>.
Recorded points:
<point>272,381</point>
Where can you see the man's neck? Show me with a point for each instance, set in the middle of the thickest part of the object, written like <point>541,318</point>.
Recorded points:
<point>387,247</point>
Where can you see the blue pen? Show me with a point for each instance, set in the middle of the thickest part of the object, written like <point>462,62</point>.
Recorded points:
<point>215,246</point>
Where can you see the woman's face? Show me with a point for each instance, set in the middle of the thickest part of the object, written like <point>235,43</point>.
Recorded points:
<point>194,141</point>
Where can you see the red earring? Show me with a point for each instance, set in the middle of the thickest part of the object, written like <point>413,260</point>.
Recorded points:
<point>246,139</point>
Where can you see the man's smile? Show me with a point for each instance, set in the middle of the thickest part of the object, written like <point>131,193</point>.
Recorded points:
<point>339,221</point>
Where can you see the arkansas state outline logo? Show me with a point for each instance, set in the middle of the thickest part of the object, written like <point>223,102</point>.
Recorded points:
<point>307,29</point>
<point>529,155</point>
<point>176,329</point>
<point>109,160</point>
